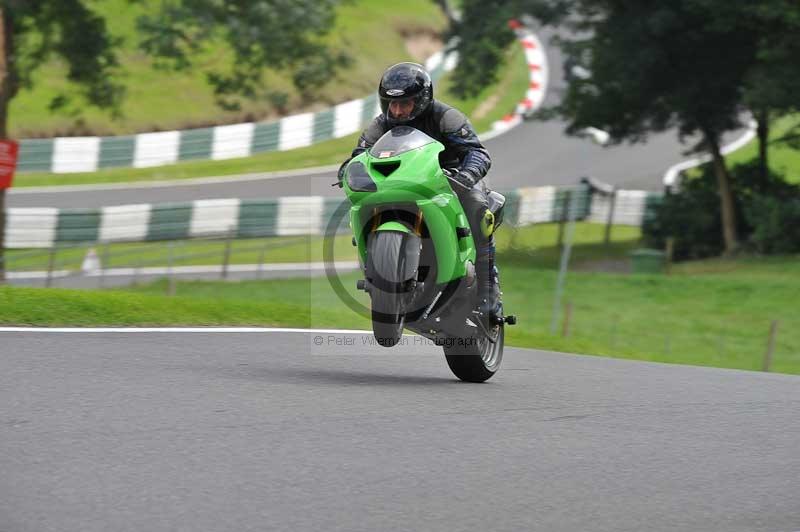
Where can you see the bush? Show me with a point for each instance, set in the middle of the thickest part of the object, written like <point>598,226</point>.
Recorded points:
<point>776,224</point>
<point>767,214</point>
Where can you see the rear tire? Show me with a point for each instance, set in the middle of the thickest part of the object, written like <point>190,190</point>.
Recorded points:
<point>476,361</point>
<point>386,254</point>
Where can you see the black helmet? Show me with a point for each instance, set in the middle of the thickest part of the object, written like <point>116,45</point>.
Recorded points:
<point>405,81</point>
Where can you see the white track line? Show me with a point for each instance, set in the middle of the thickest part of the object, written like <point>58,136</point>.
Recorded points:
<point>671,175</point>
<point>301,267</point>
<point>227,330</point>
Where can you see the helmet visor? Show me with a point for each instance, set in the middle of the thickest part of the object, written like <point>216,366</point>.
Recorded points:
<point>401,110</point>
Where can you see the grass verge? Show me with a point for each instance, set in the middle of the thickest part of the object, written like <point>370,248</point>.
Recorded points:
<point>712,313</point>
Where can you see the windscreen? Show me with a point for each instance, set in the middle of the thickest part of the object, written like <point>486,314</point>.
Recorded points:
<point>399,140</point>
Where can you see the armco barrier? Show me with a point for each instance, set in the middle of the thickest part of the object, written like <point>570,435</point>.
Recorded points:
<point>294,215</point>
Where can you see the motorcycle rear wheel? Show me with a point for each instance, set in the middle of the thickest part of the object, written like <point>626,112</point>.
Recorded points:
<point>476,361</point>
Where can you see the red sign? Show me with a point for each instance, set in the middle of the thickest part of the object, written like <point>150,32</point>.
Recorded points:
<point>8,161</point>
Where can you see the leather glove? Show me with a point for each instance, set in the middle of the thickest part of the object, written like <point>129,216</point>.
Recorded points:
<point>463,177</point>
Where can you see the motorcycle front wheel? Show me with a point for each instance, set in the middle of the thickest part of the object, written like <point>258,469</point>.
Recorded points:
<point>386,254</point>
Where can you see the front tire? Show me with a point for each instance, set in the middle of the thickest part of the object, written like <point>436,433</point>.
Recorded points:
<point>479,360</point>
<point>388,264</point>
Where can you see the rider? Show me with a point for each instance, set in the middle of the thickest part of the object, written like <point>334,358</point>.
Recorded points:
<point>406,95</point>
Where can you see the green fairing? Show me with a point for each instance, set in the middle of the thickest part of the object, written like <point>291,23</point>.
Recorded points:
<point>418,180</point>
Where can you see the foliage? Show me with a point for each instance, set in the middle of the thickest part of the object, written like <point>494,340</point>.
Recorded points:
<point>159,99</point>
<point>773,78</point>
<point>71,31</point>
<point>650,66</point>
<point>784,148</point>
<point>776,223</point>
<point>767,212</point>
<point>260,33</point>
<point>483,33</point>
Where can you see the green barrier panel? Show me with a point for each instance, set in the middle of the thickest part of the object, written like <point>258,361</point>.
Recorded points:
<point>511,209</point>
<point>258,218</point>
<point>195,144</point>
<point>78,225</point>
<point>116,151</point>
<point>329,210</point>
<point>35,155</point>
<point>169,222</point>
<point>323,126</point>
<point>266,137</point>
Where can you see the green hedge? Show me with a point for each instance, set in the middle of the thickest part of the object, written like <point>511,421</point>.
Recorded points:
<point>767,215</point>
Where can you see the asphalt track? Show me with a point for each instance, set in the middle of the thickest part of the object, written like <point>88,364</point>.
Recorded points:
<point>269,431</point>
<point>535,153</point>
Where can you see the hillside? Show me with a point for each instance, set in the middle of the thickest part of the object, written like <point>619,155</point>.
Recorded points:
<point>374,33</point>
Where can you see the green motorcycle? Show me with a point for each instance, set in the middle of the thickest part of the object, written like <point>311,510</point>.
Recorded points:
<point>418,254</point>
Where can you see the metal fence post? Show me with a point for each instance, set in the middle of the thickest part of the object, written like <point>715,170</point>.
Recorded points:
<point>226,255</point>
<point>562,271</point>
<point>51,263</point>
<point>773,332</point>
<point>260,270</point>
<point>170,277</point>
<point>136,268</point>
<point>104,264</point>
<point>610,221</point>
<point>670,251</point>
<point>567,319</point>
<point>566,211</point>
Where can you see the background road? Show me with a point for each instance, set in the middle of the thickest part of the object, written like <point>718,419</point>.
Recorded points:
<point>535,153</point>
<point>268,431</point>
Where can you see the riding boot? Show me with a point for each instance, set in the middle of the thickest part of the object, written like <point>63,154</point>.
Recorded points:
<point>488,284</point>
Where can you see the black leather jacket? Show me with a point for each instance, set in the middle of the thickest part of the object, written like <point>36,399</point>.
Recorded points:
<point>462,148</point>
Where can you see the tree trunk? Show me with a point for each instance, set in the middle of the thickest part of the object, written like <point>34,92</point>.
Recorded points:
<point>5,93</point>
<point>762,131</point>
<point>725,195</point>
<point>449,12</point>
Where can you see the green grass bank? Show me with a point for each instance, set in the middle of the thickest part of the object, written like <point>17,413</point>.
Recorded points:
<point>714,313</point>
<point>373,32</point>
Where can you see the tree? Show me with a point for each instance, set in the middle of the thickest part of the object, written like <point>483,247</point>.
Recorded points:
<point>262,34</point>
<point>771,85</point>
<point>483,34</point>
<point>32,32</point>
<point>658,65</point>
